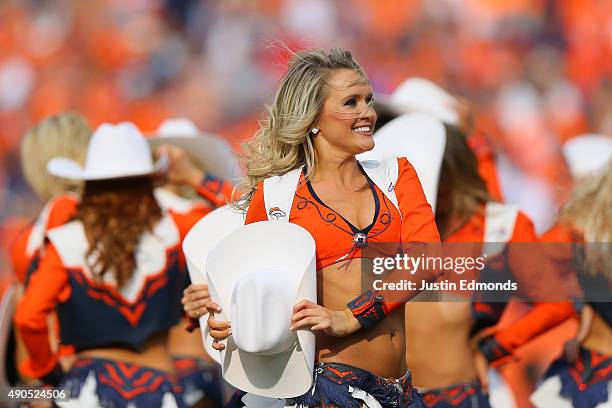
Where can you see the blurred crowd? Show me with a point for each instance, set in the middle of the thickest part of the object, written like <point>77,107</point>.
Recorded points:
<point>536,72</point>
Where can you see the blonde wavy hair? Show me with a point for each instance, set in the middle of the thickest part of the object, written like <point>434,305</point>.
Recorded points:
<point>283,142</point>
<point>590,210</point>
<point>65,134</point>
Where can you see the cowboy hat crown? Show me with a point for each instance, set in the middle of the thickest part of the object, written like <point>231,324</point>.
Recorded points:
<point>257,291</point>
<point>178,127</point>
<point>419,137</point>
<point>422,95</point>
<point>209,152</point>
<point>587,154</point>
<point>114,151</point>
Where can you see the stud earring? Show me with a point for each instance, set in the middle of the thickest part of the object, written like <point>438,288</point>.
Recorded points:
<point>314,131</point>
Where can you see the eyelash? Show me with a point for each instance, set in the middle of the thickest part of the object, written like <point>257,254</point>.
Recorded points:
<point>353,101</point>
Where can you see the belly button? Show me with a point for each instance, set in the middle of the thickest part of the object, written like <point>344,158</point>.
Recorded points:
<point>396,340</point>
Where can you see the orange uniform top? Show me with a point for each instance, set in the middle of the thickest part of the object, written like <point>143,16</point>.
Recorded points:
<point>558,244</point>
<point>215,190</point>
<point>55,284</point>
<point>26,249</point>
<point>543,315</point>
<point>335,237</point>
<point>62,208</point>
<point>488,171</point>
<point>593,289</point>
<point>29,245</point>
<point>560,233</point>
<point>486,162</point>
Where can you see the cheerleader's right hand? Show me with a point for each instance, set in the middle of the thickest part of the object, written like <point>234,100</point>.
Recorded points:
<point>218,329</point>
<point>194,300</point>
<point>180,168</point>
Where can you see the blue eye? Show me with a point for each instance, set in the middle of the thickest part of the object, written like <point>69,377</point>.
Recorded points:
<point>351,102</point>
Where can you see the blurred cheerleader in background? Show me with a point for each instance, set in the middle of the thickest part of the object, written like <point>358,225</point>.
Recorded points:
<point>582,377</point>
<point>65,134</point>
<point>115,276</point>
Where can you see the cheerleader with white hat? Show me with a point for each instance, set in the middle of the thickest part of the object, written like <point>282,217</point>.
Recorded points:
<point>114,276</point>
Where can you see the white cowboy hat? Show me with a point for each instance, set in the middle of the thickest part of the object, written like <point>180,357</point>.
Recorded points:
<point>198,242</point>
<point>421,95</point>
<point>209,152</point>
<point>587,154</point>
<point>257,289</point>
<point>421,139</point>
<point>114,151</point>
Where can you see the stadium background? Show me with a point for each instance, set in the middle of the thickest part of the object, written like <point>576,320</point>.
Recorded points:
<point>537,72</point>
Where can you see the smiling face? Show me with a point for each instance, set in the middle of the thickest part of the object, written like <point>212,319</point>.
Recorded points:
<point>347,119</point>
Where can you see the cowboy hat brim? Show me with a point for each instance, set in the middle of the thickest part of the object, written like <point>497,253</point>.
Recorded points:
<point>198,242</point>
<point>69,169</point>
<point>208,152</point>
<point>421,139</point>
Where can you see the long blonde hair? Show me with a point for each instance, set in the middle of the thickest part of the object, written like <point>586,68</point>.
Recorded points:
<point>590,211</point>
<point>65,134</point>
<point>283,141</point>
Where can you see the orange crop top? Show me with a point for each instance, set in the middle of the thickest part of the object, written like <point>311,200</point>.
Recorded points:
<point>26,251</point>
<point>337,239</point>
<point>543,316</point>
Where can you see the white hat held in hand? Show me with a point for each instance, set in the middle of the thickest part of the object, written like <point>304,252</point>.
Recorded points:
<point>421,139</point>
<point>198,243</point>
<point>209,152</point>
<point>114,151</point>
<point>422,95</point>
<point>257,274</point>
<point>587,154</point>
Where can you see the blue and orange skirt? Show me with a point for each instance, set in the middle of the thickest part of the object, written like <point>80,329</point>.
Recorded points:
<point>199,379</point>
<point>585,384</point>
<point>345,386</point>
<point>457,396</point>
<point>96,382</point>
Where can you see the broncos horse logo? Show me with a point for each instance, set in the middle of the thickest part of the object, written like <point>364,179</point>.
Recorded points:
<point>277,213</point>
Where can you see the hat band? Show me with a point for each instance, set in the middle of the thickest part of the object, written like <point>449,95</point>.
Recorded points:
<point>288,350</point>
